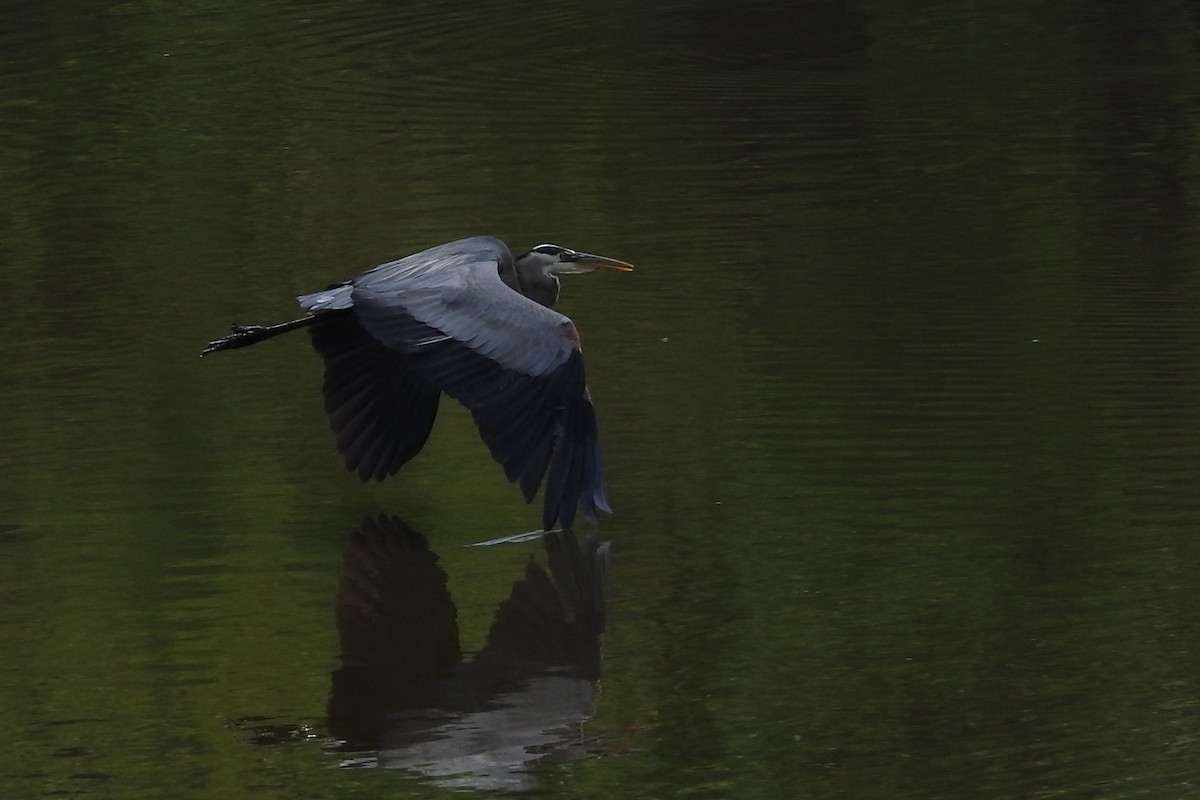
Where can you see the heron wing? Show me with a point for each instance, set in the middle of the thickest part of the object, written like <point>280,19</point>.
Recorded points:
<point>516,365</point>
<point>381,408</point>
<point>456,289</point>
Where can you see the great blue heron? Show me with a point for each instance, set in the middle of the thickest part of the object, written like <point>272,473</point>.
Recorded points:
<point>467,319</point>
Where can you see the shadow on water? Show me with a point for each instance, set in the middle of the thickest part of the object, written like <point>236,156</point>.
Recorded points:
<point>405,697</point>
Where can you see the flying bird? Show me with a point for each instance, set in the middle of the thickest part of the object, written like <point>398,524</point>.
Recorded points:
<point>467,319</point>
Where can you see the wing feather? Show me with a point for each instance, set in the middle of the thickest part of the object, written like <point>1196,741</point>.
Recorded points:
<point>456,290</point>
<point>381,408</point>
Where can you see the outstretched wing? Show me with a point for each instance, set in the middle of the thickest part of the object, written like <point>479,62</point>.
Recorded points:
<point>381,408</point>
<point>514,363</point>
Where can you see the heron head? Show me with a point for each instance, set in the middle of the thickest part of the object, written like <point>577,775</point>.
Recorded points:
<point>555,260</point>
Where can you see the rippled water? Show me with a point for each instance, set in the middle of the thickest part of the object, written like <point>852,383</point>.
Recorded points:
<point>898,411</point>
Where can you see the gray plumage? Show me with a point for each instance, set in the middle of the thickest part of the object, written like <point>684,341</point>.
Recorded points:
<point>467,319</point>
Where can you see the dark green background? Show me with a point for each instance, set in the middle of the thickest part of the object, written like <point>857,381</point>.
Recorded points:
<point>899,410</point>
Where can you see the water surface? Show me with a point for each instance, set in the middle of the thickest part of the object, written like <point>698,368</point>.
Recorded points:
<point>899,410</point>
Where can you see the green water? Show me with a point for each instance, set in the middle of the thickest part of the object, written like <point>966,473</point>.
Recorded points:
<point>899,411</point>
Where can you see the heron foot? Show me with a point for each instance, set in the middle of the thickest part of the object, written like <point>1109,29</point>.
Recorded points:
<point>246,335</point>
<point>241,336</point>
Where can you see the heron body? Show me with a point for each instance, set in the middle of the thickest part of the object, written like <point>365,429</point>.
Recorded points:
<point>467,319</point>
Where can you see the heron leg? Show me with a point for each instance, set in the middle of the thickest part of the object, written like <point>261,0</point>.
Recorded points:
<point>246,335</point>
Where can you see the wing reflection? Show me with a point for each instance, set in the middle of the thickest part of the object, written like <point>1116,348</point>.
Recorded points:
<point>404,691</point>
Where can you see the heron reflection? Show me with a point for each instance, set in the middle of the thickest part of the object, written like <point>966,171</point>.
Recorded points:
<point>405,692</point>
<point>468,319</point>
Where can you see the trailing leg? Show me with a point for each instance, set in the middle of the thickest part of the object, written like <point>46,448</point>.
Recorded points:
<point>246,335</point>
